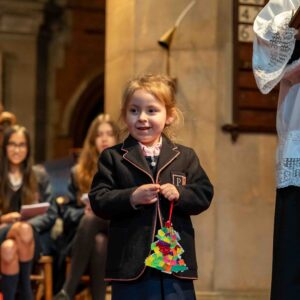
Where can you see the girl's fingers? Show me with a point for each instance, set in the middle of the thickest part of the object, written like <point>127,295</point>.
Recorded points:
<point>167,187</point>
<point>152,200</point>
<point>154,188</point>
<point>170,194</point>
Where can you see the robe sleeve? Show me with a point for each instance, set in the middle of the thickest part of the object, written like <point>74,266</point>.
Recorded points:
<point>274,43</point>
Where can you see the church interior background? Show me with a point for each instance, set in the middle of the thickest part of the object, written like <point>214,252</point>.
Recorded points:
<point>64,61</point>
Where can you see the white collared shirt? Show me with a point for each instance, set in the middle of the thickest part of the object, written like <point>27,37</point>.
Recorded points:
<point>151,150</point>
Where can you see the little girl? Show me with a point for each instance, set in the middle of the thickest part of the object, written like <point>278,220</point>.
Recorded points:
<point>134,187</point>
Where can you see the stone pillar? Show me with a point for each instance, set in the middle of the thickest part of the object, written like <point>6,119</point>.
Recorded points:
<point>19,26</point>
<point>120,51</point>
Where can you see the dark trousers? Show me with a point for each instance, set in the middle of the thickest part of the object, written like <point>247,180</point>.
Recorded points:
<point>286,245</point>
<point>154,285</point>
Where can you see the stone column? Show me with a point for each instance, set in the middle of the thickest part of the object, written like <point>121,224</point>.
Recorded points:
<point>19,26</point>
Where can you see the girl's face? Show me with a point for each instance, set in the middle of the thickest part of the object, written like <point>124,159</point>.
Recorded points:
<point>17,148</point>
<point>146,117</point>
<point>105,137</point>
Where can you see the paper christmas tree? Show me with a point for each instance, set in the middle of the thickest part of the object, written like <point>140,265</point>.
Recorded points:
<point>167,251</point>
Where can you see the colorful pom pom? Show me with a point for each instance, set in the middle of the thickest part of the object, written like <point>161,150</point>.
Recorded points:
<point>167,251</point>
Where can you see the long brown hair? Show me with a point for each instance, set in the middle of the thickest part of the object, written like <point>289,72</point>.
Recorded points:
<point>29,185</point>
<point>88,158</point>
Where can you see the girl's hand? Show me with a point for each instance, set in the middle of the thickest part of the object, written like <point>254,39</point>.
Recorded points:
<point>169,191</point>
<point>85,198</point>
<point>11,217</point>
<point>87,208</point>
<point>145,194</point>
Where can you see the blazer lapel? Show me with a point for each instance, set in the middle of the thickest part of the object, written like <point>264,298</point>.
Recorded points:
<point>134,155</point>
<point>168,153</point>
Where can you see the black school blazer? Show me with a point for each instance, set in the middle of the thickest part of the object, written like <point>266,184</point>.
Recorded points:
<point>121,170</point>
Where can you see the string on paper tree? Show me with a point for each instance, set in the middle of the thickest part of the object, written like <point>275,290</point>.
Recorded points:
<point>167,251</point>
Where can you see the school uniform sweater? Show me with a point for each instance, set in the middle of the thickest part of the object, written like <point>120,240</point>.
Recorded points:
<point>121,170</point>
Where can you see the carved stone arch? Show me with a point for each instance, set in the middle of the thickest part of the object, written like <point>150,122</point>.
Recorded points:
<point>89,104</point>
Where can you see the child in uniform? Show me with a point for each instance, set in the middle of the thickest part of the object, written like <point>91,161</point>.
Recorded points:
<point>136,183</point>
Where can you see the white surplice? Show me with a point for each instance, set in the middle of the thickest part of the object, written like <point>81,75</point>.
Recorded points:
<point>272,49</point>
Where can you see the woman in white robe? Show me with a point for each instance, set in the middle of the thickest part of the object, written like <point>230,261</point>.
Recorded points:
<point>276,59</point>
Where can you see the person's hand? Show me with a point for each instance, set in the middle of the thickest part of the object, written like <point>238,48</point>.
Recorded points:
<point>87,208</point>
<point>169,191</point>
<point>11,217</point>
<point>292,77</point>
<point>297,35</point>
<point>84,198</point>
<point>145,194</point>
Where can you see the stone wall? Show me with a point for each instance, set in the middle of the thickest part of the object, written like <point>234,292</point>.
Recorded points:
<point>76,58</point>
<point>19,27</point>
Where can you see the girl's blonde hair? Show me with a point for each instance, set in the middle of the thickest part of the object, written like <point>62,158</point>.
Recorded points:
<point>88,158</point>
<point>162,87</point>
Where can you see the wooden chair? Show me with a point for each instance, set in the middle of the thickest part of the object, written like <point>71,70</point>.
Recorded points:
<point>43,278</point>
<point>83,278</point>
<point>84,295</point>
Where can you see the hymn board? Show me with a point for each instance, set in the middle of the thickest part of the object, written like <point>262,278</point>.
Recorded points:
<point>252,111</point>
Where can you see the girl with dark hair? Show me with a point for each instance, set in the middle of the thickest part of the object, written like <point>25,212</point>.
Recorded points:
<point>20,183</point>
<point>89,243</point>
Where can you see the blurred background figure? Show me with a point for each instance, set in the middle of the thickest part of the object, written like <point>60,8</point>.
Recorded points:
<point>85,233</point>
<point>20,183</point>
